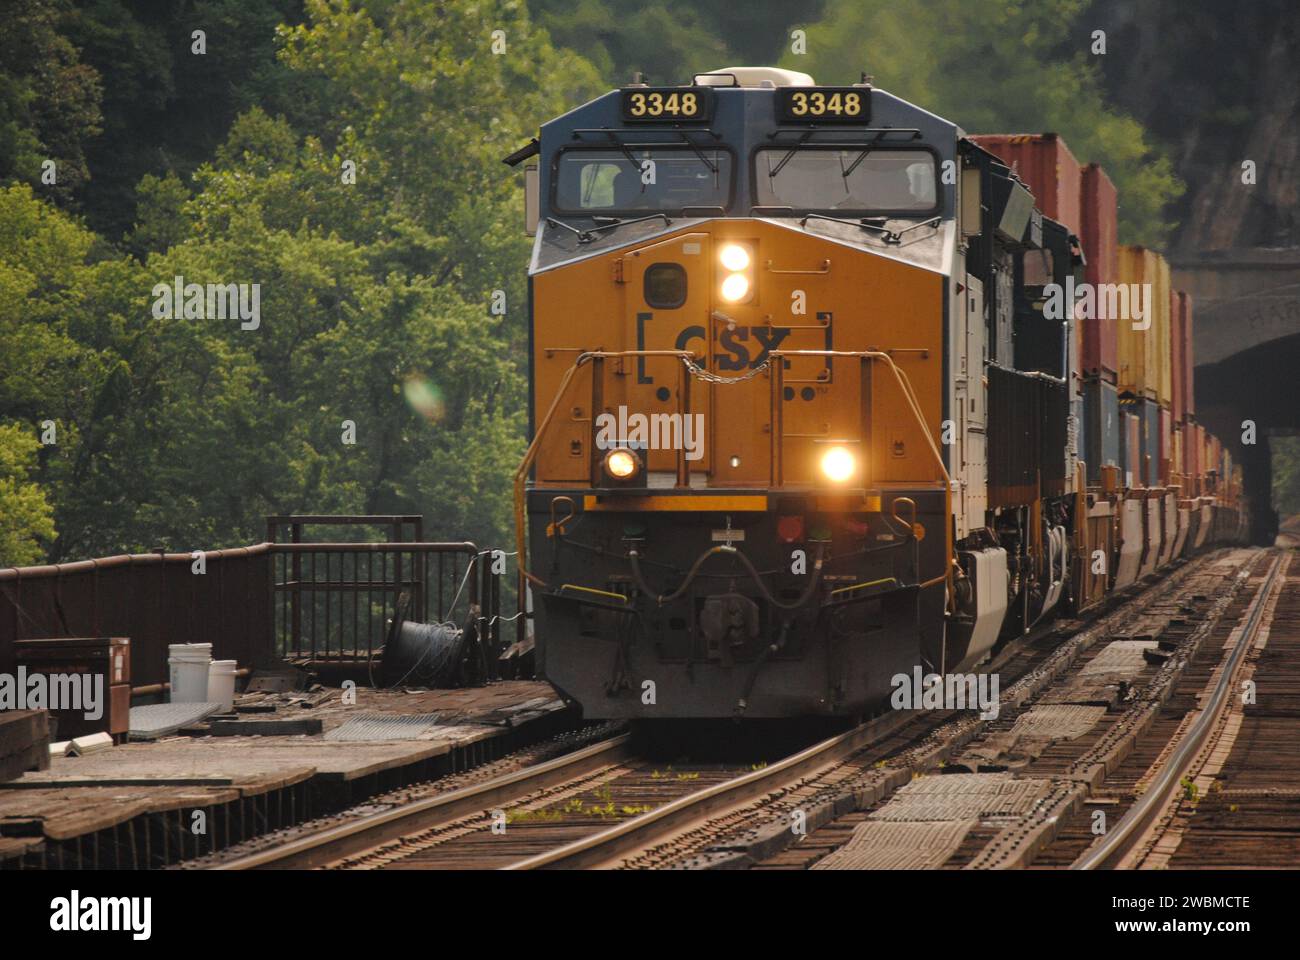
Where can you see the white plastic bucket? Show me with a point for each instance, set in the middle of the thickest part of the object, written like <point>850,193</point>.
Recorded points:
<point>221,683</point>
<point>188,665</point>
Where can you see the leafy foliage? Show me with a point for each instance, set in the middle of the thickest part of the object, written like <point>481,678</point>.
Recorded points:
<point>374,294</point>
<point>995,66</point>
<point>345,158</point>
<point>26,518</point>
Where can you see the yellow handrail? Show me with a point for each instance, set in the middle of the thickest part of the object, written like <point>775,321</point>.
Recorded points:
<point>521,475</point>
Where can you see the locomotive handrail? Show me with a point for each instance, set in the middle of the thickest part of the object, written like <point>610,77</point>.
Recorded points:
<point>530,455</point>
<point>900,376</point>
<point>909,396</point>
<point>687,357</point>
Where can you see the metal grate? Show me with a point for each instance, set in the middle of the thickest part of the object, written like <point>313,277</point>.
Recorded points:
<point>963,796</point>
<point>379,726</point>
<point>1122,657</point>
<point>884,845</point>
<point>1057,722</point>
<point>156,720</point>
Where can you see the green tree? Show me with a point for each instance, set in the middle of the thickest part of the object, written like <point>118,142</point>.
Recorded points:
<point>49,100</point>
<point>26,517</point>
<point>374,292</point>
<point>670,40</point>
<point>994,66</point>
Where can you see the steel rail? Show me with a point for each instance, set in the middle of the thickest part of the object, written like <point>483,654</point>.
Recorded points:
<point>370,831</point>
<point>1154,798</point>
<point>643,830</point>
<point>640,831</point>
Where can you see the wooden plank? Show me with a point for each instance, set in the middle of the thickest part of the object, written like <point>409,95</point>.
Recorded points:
<point>24,742</point>
<point>19,729</point>
<point>14,847</point>
<point>295,727</point>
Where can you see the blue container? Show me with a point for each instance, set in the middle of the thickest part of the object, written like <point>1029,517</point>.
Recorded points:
<point>1149,432</point>
<point>1102,440</point>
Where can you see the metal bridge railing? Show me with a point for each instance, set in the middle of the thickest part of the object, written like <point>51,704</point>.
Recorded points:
<point>333,601</point>
<point>308,601</point>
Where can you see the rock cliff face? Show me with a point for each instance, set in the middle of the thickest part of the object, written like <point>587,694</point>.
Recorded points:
<point>1218,84</point>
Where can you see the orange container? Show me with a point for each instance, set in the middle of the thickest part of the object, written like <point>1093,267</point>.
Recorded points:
<point>1184,404</point>
<point>1099,226</point>
<point>1046,164</point>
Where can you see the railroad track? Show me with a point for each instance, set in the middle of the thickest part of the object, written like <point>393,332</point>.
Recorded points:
<point>603,806</point>
<point>1182,814</point>
<point>1022,780</point>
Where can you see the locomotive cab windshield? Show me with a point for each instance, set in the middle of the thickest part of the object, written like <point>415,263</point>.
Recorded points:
<point>590,182</point>
<point>847,179</point>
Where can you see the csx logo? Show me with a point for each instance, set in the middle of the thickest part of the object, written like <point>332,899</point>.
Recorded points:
<point>737,346</point>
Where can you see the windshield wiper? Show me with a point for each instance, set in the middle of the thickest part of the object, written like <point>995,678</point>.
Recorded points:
<point>863,155</point>
<point>873,223</point>
<point>610,223</point>
<point>773,171</point>
<point>713,169</point>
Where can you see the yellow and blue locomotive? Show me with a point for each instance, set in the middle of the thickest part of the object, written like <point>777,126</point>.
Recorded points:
<point>798,421</point>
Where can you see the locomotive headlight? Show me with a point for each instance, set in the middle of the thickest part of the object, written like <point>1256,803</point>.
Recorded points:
<point>734,257</point>
<point>735,287</point>
<point>621,464</point>
<point>838,464</point>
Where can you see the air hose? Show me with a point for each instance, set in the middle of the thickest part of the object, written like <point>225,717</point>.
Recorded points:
<point>634,558</point>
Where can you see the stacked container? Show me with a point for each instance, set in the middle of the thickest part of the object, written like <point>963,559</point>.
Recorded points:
<point>1131,457</point>
<point>1048,168</point>
<point>1101,431</point>
<point>1135,384</point>
<point>1165,471</point>
<point>1177,459</point>
<point>1180,315</point>
<point>1097,330</point>
<point>1139,274</point>
<point>1160,333</point>
<point>1099,237</point>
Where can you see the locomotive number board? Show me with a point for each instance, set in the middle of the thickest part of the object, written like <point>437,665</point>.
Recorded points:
<point>823,104</point>
<point>667,104</point>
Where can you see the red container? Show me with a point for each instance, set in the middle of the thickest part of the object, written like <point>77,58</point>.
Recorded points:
<point>1166,447</point>
<point>1099,235</point>
<point>1180,315</point>
<point>1046,164</point>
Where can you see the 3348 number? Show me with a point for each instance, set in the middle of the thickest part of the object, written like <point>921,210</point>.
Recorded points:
<point>819,104</point>
<point>656,104</point>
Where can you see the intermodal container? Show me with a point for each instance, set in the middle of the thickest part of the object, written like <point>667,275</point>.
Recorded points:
<point>1184,405</point>
<point>1046,165</point>
<point>1149,411</point>
<point>1178,465</point>
<point>1160,328</point>
<point>1137,294</point>
<point>1101,426</point>
<point>1131,448</point>
<point>1099,217</point>
<point>1166,468</point>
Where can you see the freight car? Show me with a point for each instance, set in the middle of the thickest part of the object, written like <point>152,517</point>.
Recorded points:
<point>813,404</point>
